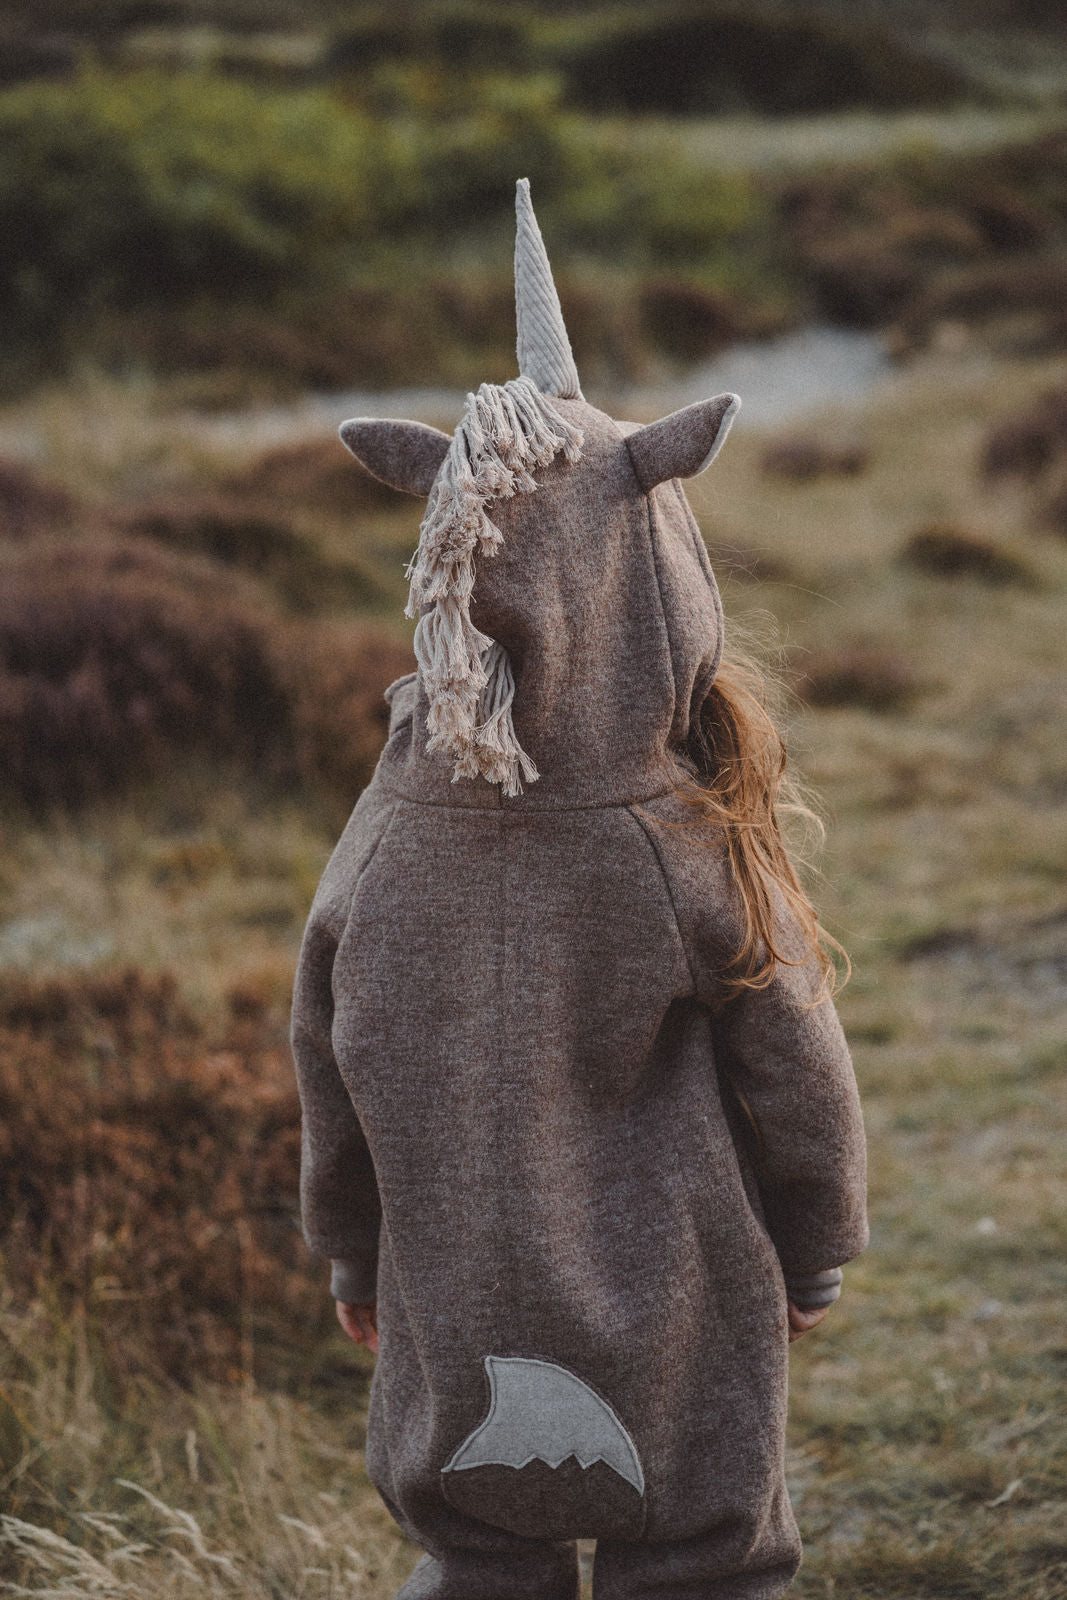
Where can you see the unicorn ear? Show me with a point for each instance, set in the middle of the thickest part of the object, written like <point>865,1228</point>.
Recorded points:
<point>405,455</point>
<point>683,443</point>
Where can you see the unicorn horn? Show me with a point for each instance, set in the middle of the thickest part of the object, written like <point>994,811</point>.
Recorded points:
<point>544,349</point>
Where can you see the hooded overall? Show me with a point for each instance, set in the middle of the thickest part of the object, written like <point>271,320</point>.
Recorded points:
<point>522,1096</point>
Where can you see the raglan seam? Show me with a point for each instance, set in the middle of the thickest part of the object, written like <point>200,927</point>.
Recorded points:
<point>654,847</point>
<point>390,819</point>
<point>316,1244</point>
<point>704,560</point>
<point>652,546</point>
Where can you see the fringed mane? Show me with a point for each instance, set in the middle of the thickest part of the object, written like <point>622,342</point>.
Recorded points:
<point>505,432</point>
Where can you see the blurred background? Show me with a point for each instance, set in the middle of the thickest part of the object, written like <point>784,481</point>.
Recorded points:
<point>226,226</point>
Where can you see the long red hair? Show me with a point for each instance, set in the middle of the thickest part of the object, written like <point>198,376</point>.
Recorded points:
<point>743,783</point>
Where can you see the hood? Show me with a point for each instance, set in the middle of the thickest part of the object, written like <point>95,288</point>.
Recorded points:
<point>570,624</point>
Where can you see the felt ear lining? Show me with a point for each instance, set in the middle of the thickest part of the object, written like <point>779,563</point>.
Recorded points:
<point>682,444</point>
<point>405,455</point>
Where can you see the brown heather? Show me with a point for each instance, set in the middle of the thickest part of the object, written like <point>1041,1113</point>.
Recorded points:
<point>802,457</point>
<point>943,550</point>
<point>150,1172</point>
<point>317,474</point>
<point>1027,442</point>
<point>28,502</point>
<point>867,676</point>
<point>253,536</point>
<point>119,659</point>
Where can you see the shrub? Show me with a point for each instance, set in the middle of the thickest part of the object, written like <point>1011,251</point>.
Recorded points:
<point>28,502</point>
<point>336,676</point>
<point>685,319</point>
<point>119,658</point>
<point>127,192</point>
<point>945,551</point>
<point>190,222</point>
<point>674,215</point>
<point>1027,443</point>
<point>862,279</point>
<point>857,675</point>
<point>460,36</point>
<point>803,457</point>
<point>1033,285</point>
<point>150,1174</point>
<point>1053,513</point>
<point>255,539</point>
<point>912,238</point>
<point>685,62</point>
<point>318,474</point>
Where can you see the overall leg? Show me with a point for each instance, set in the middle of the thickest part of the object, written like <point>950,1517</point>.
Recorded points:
<point>721,1564</point>
<point>466,1560</point>
<point>528,1571</point>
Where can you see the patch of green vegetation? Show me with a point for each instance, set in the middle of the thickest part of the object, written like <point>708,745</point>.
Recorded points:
<point>356,227</point>
<point>682,58</point>
<point>185,220</point>
<point>119,194</point>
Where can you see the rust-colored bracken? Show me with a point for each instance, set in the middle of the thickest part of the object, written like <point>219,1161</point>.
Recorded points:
<point>149,1174</point>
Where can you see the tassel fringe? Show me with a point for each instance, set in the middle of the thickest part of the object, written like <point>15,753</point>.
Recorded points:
<point>506,431</point>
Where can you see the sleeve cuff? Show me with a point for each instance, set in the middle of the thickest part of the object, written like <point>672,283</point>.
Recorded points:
<point>812,1290</point>
<point>353,1282</point>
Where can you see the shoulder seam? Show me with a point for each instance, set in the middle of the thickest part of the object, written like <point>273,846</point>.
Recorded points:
<point>654,847</point>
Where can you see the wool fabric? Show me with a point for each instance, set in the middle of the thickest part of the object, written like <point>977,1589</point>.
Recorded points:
<point>533,1130</point>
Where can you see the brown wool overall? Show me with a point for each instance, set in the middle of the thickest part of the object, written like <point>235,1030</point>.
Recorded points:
<point>520,1089</point>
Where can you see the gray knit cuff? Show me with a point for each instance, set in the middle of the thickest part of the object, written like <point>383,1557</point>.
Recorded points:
<point>353,1282</point>
<point>811,1291</point>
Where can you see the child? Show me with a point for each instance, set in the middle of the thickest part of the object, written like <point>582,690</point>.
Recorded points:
<point>581,1132</point>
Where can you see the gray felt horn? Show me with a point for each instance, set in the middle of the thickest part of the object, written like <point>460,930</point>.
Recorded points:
<point>543,348</point>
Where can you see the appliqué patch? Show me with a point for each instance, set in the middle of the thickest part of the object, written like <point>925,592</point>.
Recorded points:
<point>539,1411</point>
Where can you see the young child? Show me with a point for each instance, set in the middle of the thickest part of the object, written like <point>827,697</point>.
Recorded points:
<point>581,1132</point>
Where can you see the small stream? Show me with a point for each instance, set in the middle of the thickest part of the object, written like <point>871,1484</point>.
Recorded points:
<point>779,381</point>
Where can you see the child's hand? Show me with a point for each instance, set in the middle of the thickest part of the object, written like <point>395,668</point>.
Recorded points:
<point>360,1323</point>
<point>802,1321</point>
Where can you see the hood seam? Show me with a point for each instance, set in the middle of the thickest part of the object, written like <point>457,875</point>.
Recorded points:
<point>540,810</point>
<point>654,848</point>
<point>653,529</point>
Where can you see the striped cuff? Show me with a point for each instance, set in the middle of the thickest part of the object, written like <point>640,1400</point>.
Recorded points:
<point>811,1291</point>
<point>353,1282</point>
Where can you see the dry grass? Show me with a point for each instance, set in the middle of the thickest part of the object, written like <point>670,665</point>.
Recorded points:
<point>928,1450</point>
<point>221,1490</point>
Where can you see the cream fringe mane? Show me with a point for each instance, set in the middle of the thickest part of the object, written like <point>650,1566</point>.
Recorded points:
<point>505,432</point>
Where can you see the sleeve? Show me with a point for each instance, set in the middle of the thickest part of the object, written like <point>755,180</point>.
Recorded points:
<point>783,1051</point>
<point>339,1202</point>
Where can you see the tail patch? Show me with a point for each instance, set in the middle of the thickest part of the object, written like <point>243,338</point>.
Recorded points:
<point>541,1415</point>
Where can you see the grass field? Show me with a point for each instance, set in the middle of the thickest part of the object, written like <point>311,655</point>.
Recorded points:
<point>928,1451</point>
